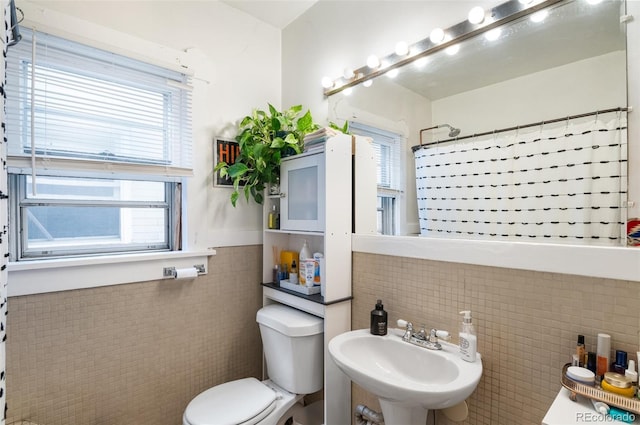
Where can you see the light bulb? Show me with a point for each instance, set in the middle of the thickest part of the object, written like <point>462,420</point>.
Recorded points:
<point>402,48</point>
<point>348,91</point>
<point>476,15</point>
<point>327,82</point>
<point>393,73</point>
<point>539,16</point>
<point>367,83</point>
<point>348,73</point>
<point>373,62</point>
<point>493,35</point>
<point>436,36</point>
<point>452,50</point>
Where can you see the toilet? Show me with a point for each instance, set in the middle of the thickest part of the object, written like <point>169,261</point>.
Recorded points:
<point>293,343</point>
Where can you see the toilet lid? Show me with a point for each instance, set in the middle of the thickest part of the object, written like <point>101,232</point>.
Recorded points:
<point>245,401</point>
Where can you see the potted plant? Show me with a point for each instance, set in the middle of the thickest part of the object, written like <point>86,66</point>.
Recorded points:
<point>264,138</point>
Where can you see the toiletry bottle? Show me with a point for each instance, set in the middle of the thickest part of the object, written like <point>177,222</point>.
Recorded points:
<point>620,365</point>
<point>302,269</point>
<point>468,338</point>
<point>273,221</point>
<point>603,352</point>
<point>305,254</point>
<point>378,320</point>
<point>293,274</point>
<point>631,373</point>
<point>591,361</point>
<point>580,350</point>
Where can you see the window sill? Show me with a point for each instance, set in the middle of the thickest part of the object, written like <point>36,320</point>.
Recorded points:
<point>36,277</point>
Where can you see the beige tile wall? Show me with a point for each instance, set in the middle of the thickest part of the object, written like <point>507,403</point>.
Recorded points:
<point>527,323</point>
<point>136,353</point>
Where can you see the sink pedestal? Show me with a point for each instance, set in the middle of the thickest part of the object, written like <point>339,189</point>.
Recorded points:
<point>397,412</point>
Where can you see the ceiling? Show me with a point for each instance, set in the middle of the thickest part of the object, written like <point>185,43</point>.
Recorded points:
<point>278,13</point>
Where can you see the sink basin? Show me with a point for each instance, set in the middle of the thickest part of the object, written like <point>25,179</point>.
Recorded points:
<point>408,380</point>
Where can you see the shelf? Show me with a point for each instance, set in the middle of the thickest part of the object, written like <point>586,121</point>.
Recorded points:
<point>316,298</point>
<point>294,232</point>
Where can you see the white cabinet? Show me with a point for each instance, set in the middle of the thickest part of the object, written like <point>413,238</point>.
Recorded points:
<point>302,192</point>
<point>321,193</point>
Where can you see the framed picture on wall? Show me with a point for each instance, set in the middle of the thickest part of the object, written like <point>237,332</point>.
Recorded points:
<point>224,151</point>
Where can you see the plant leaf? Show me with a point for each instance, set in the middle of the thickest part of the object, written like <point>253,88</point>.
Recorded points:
<point>278,142</point>
<point>295,110</point>
<point>257,195</point>
<point>237,170</point>
<point>234,197</point>
<point>305,122</point>
<point>276,124</point>
<point>290,139</point>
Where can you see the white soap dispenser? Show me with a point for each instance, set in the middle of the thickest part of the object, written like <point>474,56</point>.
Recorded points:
<point>468,338</point>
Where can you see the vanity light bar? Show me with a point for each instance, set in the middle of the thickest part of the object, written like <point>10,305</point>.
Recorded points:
<point>499,15</point>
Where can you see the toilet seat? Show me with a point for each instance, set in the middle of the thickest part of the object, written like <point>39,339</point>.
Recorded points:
<point>242,402</point>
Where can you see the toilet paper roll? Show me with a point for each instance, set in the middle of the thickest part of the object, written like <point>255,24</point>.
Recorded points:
<point>186,273</point>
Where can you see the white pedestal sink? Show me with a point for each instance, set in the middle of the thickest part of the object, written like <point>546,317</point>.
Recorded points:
<point>408,380</point>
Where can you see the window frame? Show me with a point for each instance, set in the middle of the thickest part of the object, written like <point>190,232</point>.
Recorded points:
<point>390,197</point>
<point>18,240</point>
<point>82,163</point>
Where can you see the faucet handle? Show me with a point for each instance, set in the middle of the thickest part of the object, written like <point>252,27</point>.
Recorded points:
<point>441,334</point>
<point>403,323</point>
<point>408,329</point>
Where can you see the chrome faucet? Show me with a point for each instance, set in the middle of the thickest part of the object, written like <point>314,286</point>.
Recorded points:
<point>421,338</point>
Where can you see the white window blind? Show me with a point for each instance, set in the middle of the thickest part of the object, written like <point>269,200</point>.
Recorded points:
<point>89,109</point>
<point>386,146</point>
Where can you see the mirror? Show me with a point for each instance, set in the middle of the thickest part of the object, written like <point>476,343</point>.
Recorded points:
<point>570,62</point>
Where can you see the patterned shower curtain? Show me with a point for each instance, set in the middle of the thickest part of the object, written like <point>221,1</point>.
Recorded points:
<point>3,218</point>
<point>560,183</point>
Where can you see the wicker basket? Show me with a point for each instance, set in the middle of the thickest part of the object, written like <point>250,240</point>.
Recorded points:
<point>625,403</point>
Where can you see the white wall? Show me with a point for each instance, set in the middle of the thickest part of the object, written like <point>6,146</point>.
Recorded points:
<point>235,60</point>
<point>588,85</point>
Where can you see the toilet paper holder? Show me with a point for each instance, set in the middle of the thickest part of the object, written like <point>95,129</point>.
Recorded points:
<point>172,271</point>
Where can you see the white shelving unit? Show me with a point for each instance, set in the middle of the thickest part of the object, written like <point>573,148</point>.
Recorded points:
<point>348,170</point>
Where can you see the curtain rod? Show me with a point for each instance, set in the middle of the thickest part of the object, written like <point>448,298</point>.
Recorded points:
<point>502,130</point>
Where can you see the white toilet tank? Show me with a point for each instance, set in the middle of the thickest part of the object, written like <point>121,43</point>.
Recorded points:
<point>293,347</point>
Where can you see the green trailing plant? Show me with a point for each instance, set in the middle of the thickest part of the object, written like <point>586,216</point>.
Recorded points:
<point>344,129</point>
<point>264,138</point>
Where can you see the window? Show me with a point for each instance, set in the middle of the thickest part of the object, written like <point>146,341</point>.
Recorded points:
<point>387,147</point>
<point>98,145</point>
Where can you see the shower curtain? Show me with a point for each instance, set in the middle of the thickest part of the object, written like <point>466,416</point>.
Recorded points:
<point>3,219</point>
<point>558,183</point>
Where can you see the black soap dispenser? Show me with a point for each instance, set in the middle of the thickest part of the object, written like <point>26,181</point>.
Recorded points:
<point>379,320</point>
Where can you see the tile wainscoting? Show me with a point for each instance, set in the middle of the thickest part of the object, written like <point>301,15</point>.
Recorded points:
<point>527,323</point>
<point>134,353</point>
<point>137,353</point>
